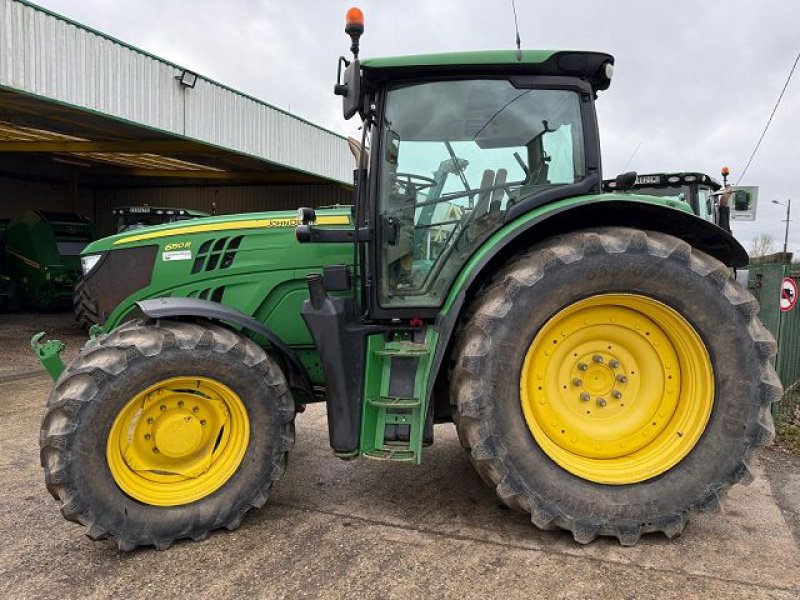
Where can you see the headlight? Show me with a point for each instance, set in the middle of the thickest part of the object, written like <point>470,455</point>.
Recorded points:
<point>89,262</point>
<point>609,71</point>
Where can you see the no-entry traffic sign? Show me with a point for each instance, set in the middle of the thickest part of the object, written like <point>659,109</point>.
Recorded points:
<point>788,294</point>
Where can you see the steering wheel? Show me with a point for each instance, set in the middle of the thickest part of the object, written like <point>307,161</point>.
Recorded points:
<point>413,183</point>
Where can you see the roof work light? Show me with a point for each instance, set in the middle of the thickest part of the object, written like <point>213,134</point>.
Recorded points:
<point>354,27</point>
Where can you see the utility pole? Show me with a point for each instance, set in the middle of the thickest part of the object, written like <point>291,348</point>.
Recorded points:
<point>788,205</point>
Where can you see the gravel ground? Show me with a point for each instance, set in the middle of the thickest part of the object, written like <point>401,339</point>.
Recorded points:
<point>364,529</point>
<point>16,329</point>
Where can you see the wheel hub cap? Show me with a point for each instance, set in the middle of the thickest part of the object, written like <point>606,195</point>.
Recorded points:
<point>617,388</point>
<point>177,434</point>
<point>178,441</point>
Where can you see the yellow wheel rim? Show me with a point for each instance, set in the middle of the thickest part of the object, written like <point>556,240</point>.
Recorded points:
<point>178,441</point>
<point>617,388</point>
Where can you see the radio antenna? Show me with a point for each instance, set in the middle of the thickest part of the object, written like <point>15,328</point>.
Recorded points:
<point>516,30</point>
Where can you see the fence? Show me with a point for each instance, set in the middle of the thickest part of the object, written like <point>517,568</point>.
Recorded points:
<point>766,284</point>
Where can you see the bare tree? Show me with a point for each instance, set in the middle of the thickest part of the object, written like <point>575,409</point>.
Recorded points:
<point>763,244</point>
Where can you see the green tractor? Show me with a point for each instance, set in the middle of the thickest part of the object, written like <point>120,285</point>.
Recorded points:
<point>43,251</point>
<point>604,372</point>
<point>696,189</point>
<point>128,218</point>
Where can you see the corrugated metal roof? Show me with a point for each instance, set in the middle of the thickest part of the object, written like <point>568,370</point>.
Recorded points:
<point>47,55</point>
<point>9,132</point>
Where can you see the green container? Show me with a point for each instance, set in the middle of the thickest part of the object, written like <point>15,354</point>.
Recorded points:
<point>765,282</point>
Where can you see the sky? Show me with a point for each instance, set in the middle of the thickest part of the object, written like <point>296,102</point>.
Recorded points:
<point>693,87</point>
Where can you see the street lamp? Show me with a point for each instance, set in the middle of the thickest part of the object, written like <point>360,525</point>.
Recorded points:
<point>788,205</point>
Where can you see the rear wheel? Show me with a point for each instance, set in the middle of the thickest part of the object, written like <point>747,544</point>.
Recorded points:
<point>166,431</point>
<point>642,383</point>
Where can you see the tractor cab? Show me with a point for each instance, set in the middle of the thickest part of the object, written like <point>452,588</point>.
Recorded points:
<point>461,144</point>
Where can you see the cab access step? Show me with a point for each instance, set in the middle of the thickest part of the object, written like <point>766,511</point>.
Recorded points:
<point>376,391</point>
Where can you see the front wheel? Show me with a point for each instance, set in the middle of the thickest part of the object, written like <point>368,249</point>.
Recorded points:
<point>642,383</point>
<point>163,431</point>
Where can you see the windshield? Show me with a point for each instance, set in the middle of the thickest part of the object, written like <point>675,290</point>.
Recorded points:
<point>701,203</point>
<point>456,155</point>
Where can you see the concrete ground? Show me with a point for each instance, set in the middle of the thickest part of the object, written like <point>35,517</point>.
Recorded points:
<point>363,529</point>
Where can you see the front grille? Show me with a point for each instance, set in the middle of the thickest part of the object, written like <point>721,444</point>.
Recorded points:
<point>120,274</point>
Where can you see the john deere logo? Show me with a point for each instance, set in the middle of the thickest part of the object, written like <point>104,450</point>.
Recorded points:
<point>287,222</point>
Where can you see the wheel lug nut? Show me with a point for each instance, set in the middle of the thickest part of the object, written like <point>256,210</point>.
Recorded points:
<point>622,379</point>
<point>582,366</point>
<point>585,397</point>
<point>577,381</point>
<point>150,420</point>
<point>196,409</point>
<point>616,394</point>
<point>601,402</point>
<point>202,422</point>
<point>155,450</point>
<point>147,436</point>
<point>180,402</point>
<point>597,358</point>
<point>613,364</point>
<point>163,407</point>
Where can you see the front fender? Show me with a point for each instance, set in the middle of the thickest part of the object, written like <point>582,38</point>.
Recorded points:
<point>162,308</point>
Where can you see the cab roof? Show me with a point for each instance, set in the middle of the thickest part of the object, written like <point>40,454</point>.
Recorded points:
<point>585,65</point>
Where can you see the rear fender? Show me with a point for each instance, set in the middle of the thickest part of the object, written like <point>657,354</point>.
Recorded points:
<point>535,226</point>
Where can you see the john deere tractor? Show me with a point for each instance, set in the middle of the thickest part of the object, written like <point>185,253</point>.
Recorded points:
<point>137,217</point>
<point>604,372</point>
<point>696,189</point>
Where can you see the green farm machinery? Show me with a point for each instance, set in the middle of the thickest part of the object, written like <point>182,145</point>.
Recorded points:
<point>130,218</point>
<point>481,277</point>
<point>43,251</point>
<point>696,189</point>
<point>8,293</point>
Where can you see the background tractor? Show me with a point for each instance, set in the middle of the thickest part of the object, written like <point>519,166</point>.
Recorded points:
<point>481,277</point>
<point>699,190</point>
<point>696,189</point>
<point>137,217</point>
<point>129,218</point>
<point>43,251</point>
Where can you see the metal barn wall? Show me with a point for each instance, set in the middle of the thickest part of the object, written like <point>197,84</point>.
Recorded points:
<point>229,199</point>
<point>18,196</point>
<point>47,55</point>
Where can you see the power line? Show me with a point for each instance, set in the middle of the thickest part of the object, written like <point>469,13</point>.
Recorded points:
<point>516,29</point>
<point>630,158</point>
<point>763,133</point>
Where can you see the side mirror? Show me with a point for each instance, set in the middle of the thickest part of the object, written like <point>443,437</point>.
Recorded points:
<point>625,181</point>
<point>744,202</point>
<point>348,86</point>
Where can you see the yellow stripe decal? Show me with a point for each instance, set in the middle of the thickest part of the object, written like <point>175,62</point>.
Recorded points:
<point>274,222</point>
<point>26,260</point>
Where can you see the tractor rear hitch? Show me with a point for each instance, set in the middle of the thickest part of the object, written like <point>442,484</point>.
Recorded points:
<point>48,354</point>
